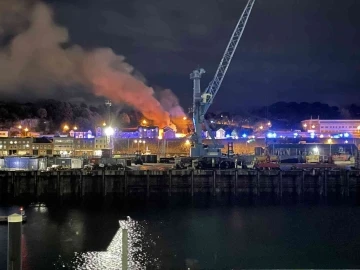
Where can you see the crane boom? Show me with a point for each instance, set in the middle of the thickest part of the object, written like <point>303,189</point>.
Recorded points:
<point>202,102</point>
<point>215,84</point>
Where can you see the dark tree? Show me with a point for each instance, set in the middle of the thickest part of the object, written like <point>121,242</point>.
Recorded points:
<point>42,113</point>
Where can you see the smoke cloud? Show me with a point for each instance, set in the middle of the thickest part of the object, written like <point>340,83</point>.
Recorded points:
<point>170,103</point>
<point>37,57</point>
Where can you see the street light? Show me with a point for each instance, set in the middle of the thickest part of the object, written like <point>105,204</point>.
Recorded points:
<point>330,141</point>
<point>75,128</point>
<point>138,143</point>
<point>109,131</point>
<point>144,122</point>
<point>66,127</point>
<point>104,124</point>
<point>19,127</point>
<point>184,118</point>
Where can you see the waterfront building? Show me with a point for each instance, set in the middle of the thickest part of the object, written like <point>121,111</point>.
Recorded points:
<point>63,146</point>
<point>81,134</point>
<point>129,133</point>
<point>4,133</point>
<point>328,126</point>
<point>102,143</point>
<point>42,147</point>
<point>169,133</point>
<point>84,147</point>
<point>289,149</point>
<point>220,133</point>
<point>15,146</point>
<point>150,132</point>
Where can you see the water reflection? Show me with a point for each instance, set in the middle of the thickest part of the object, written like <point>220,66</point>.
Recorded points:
<point>138,257</point>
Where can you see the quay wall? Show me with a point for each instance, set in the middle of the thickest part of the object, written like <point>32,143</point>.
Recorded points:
<point>79,184</point>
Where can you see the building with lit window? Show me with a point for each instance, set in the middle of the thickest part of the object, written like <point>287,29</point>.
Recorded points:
<point>84,147</point>
<point>42,147</point>
<point>63,146</point>
<point>15,146</point>
<point>321,126</point>
<point>148,132</point>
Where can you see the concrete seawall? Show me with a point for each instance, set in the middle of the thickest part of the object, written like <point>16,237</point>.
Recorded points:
<point>80,184</point>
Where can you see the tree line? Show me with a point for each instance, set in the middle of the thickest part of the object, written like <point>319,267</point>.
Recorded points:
<point>54,114</point>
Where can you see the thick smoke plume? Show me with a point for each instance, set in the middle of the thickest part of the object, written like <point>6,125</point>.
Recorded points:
<point>34,55</point>
<point>171,103</point>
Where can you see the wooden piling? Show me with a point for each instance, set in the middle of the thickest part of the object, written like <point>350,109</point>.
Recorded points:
<point>257,183</point>
<point>82,188</point>
<point>103,181</point>
<point>13,184</point>
<point>347,177</point>
<point>236,181</point>
<point>302,187</point>
<point>325,182</point>
<point>214,183</point>
<point>170,182</point>
<point>58,184</point>
<point>148,184</point>
<point>125,183</point>
<point>280,184</point>
<point>192,183</point>
<point>36,185</point>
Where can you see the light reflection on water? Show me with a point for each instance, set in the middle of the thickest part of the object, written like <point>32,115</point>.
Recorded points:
<point>138,257</point>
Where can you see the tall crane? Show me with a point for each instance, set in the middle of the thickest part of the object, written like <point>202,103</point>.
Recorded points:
<point>202,102</point>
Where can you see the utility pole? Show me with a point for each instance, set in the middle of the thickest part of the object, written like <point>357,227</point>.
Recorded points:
<point>110,128</point>
<point>108,104</point>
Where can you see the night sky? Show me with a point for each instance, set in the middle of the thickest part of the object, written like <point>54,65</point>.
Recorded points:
<point>291,50</point>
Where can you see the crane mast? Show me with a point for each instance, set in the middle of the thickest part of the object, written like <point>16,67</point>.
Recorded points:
<point>202,102</point>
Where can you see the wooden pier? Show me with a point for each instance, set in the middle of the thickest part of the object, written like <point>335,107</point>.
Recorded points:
<point>127,183</point>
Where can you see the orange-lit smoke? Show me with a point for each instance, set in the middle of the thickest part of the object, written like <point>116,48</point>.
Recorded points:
<point>35,59</point>
<point>110,77</point>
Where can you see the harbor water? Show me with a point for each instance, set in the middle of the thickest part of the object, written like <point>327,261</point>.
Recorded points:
<point>198,233</point>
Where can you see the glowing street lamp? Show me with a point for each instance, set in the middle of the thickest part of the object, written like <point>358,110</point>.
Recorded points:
<point>104,124</point>
<point>138,143</point>
<point>75,128</point>
<point>26,131</point>
<point>109,131</point>
<point>261,127</point>
<point>66,127</point>
<point>184,118</point>
<point>19,127</point>
<point>305,125</point>
<point>144,122</point>
<point>187,142</point>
